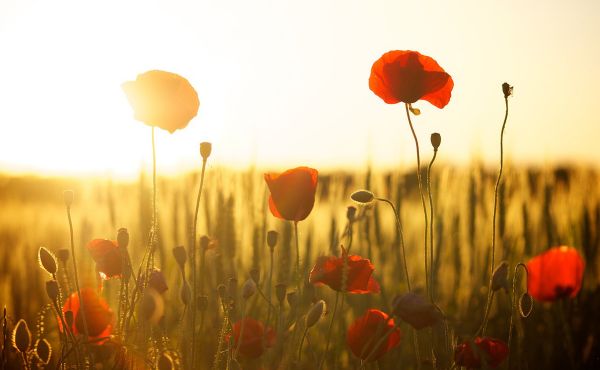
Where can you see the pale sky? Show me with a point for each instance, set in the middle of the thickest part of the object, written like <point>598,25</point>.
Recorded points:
<point>285,83</point>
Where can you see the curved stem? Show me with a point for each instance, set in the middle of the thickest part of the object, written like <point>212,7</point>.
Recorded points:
<point>399,227</point>
<point>193,268</point>
<point>431,284</point>
<point>489,296</point>
<point>412,129</point>
<point>301,344</point>
<point>337,296</point>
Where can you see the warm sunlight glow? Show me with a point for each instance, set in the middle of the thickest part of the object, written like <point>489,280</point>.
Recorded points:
<point>275,91</point>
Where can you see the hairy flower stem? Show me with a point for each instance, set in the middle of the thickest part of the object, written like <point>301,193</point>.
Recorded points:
<point>194,270</point>
<point>335,305</point>
<point>431,282</point>
<point>399,228</point>
<point>81,302</point>
<point>412,129</point>
<point>514,304</point>
<point>489,296</point>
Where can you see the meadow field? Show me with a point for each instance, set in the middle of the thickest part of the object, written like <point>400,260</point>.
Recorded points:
<point>538,208</point>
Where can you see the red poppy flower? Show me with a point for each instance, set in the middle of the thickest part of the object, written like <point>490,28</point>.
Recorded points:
<point>162,99</point>
<point>407,76</point>
<point>555,274</point>
<point>98,315</point>
<point>292,193</point>
<point>365,333</point>
<point>255,339</point>
<point>108,258</point>
<point>329,271</point>
<point>494,351</point>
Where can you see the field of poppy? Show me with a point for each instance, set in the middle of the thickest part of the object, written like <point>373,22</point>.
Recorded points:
<point>435,267</point>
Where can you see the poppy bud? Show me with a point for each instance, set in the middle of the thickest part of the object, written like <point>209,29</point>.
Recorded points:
<point>180,255</point>
<point>315,313</point>
<point>69,318</point>
<point>272,236</point>
<point>123,237</point>
<point>157,281</point>
<point>255,275</point>
<point>500,277</point>
<point>47,260</point>
<point>202,303</point>
<point>415,111</point>
<point>362,196</point>
<point>525,305</point>
<point>507,90</point>
<point>436,140</point>
<point>248,289</point>
<point>292,298</point>
<point>186,293</point>
<point>52,290</point>
<point>43,351</point>
<point>205,149</point>
<point>63,255</point>
<point>69,195</point>
<point>280,291</point>
<point>222,290</point>
<point>21,336</point>
<point>351,213</point>
<point>204,242</point>
<point>165,362</point>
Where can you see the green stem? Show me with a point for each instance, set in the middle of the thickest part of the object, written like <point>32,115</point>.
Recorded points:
<point>399,227</point>
<point>420,191</point>
<point>431,282</point>
<point>489,296</point>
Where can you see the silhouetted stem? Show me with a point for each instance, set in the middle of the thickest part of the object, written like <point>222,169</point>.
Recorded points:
<point>420,191</point>
<point>431,284</point>
<point>337,296</point>
<point>81,303</point>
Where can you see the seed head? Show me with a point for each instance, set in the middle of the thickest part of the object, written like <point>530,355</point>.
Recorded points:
<point>123,237</point>
<point>47,260</point>
<point>507,90</point>
<point>21,336</point>
<point>436,140</point>
<point>362,196</point>
<point>315,313</point>
<point>69,195</point>
<point>205,149</point>
<point>272,237</point>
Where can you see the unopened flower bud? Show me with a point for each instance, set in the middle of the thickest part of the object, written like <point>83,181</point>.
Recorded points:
<point>157,281</point>
<point>123,237</point>
<point>255,275</point>
<point>525,305</point>
<point>52,290</point>
<point>280,292</point>
<point>21,337</point>
<point>351,213</point>
<point>69,195</point>
<point>43,350</point>
<point>248,289</point>
<point>500,277</point>
<point>202,303</point>
<point>180,255</point>
<point>205,149</point>
<point>436,140</point>
<point>47,260</point>
<point>272,236</point>
<point>315,313</point>
<point>362,196</point>
<point>507,90</point>
<point>63,254</point>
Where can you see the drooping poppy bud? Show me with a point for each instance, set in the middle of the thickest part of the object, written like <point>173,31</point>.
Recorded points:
<point>500,277</point>
<point>315,313</point>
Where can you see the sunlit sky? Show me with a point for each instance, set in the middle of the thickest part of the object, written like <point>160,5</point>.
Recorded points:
<point>285,83</point>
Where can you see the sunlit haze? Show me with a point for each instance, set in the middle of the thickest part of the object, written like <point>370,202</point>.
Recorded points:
<point>285,83</point>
